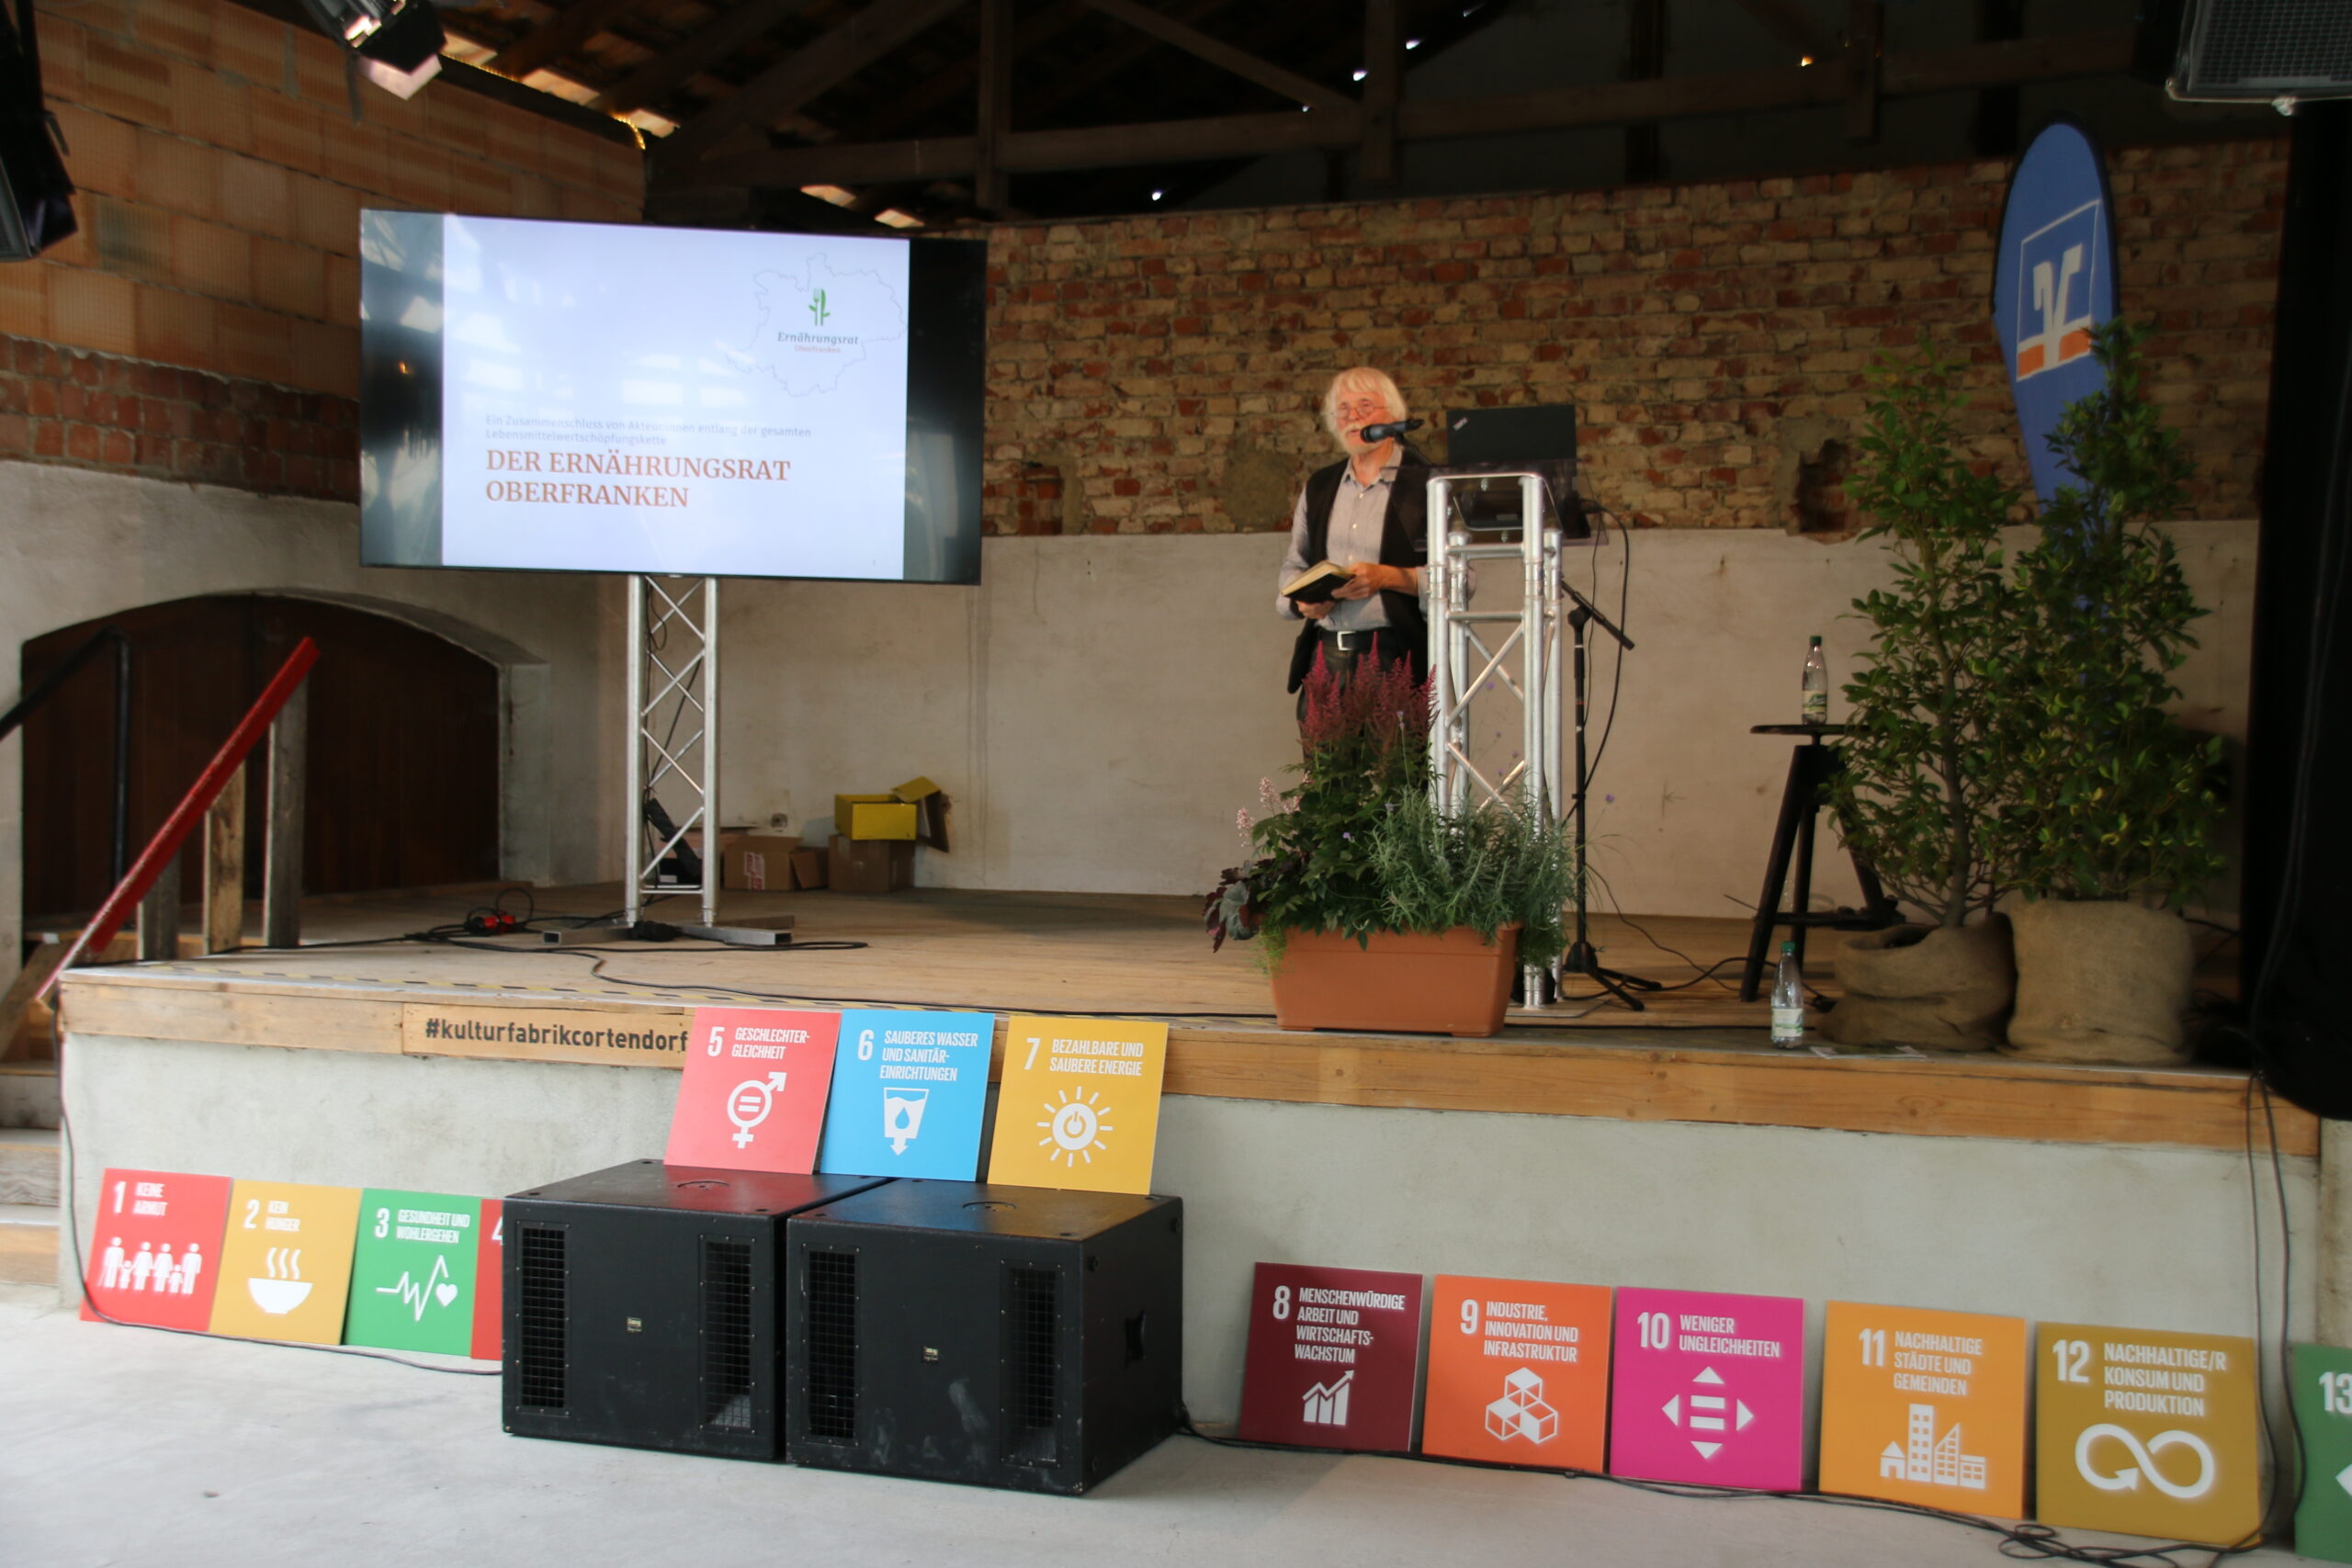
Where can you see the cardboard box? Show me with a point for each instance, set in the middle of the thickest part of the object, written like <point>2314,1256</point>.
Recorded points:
<point>872,866</point>
<point>930,803</point>
<point>809,868</point>
<point>756,861</point>
<point>874,817</point>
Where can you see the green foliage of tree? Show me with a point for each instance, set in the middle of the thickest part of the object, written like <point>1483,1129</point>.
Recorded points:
<point>1927,769</point>
<point>2115,800</point>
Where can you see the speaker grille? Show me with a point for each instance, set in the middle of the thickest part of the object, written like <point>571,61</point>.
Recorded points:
<point>1031,1413</point>
<point>2259,47</point>
<point>832,1346</point>
<point>726,1334</point>
<point>539,1363</point>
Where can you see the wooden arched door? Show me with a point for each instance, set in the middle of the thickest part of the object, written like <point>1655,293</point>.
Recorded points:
<point>403,745</point>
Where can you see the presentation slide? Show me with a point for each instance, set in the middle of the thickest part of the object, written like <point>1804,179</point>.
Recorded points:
<point>620,399</point>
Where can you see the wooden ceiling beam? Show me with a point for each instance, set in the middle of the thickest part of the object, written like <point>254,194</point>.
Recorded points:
<point>1786,20</point>
<point>1043,101</point>
<point>807,72</point>
<point>945,84</point>
<point>1967,67</point>
<point>995,104</point>
<point>558,35</point>
<point>667,70</point>
<point>1382,158</point>
<point>1225,56</point>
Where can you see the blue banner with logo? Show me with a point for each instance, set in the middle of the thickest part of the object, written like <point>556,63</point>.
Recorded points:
<point>910,1092</point>
<point>2054,282</point>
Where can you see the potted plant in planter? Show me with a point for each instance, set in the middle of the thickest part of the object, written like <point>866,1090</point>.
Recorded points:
<point>1925,766</point>
<point>1376,910</point>
<point>2115,814</point>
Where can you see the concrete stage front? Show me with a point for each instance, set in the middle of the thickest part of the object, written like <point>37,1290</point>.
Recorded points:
<point>1668,1149</point>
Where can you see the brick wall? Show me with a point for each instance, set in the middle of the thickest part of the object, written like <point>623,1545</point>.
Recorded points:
<point>101,410</point>
<point>1162,374</point>
<point>221,177</point>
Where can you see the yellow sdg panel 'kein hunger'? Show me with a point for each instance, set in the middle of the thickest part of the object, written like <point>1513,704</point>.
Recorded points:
<point>286,1266</point>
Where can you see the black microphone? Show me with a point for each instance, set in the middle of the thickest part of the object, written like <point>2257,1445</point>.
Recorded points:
<point>1378,433</point>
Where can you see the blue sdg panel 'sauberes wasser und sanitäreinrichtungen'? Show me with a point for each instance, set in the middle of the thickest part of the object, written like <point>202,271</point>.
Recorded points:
<point>910,1092</point>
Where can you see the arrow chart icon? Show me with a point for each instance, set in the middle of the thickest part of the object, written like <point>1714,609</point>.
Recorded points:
<point>1711,1411</point>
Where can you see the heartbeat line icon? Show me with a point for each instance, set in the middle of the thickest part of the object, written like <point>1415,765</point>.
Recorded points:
<point>437,1286</point>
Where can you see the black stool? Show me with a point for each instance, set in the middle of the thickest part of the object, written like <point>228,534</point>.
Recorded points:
<point>1810,770</point>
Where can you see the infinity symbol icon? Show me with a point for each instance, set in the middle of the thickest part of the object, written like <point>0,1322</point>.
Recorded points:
<point>2128,1478</point>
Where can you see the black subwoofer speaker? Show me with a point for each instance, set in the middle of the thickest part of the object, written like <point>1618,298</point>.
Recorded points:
<point>1014,1336</point>
<point>642,1306</point>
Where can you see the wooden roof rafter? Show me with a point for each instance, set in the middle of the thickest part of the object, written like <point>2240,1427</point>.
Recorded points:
<point>1905,73</point>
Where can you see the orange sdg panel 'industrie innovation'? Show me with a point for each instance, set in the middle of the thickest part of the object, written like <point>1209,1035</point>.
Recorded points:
<point>1925,1407</point>
<point>1519,1373</point>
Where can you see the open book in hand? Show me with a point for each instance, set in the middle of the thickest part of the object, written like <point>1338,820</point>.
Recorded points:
<point>1317,583</point>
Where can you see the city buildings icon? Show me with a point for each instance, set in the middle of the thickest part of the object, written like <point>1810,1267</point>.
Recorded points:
<point>1521,1412</point>
<point>1325,1405</point>
<point>1929,1459</point>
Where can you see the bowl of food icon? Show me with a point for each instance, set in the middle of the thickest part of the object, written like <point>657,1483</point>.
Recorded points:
<point>278,1297</point>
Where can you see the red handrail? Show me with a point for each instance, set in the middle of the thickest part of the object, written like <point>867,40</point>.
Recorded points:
<point>191,809</point>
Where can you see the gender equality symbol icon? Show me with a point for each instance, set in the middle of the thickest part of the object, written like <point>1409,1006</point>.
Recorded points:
<point>750,1104</point>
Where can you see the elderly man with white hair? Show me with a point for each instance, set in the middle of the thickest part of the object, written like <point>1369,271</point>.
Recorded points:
<point>1367,513</point>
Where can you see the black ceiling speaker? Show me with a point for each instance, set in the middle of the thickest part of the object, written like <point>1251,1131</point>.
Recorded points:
<point>642,1306</point>
<point>1017,1336</point>
<point>35,208</point>
<point>2229,50</point>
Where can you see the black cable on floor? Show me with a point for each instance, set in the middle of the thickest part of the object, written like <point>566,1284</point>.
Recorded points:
<point>2023,1540</point>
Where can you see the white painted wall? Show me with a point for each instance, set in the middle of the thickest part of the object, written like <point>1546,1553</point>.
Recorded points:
<point>1101,706</point>
<point>82,544</point>
<point>2148,1237</point>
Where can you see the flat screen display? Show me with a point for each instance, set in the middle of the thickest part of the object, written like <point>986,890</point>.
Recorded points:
<point>578,397</point>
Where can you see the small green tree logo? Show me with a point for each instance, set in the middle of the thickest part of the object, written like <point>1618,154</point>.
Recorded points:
<point>816,307</point>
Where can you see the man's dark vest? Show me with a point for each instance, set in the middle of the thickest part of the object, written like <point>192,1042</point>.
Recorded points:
<point>1404,541</point>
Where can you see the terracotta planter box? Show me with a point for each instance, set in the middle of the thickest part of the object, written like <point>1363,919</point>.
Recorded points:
<point>1446,983</point>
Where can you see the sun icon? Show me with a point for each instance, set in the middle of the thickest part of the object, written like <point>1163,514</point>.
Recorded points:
<point>1070,1128</point>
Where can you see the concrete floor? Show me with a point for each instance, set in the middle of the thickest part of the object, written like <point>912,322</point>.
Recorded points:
<point>124,1446</point>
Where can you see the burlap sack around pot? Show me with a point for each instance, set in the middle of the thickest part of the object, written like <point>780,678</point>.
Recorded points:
<point>2101,981</point>
<point>1945,988</point>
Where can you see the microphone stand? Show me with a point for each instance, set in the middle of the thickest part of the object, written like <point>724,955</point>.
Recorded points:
<point>1582,958</point>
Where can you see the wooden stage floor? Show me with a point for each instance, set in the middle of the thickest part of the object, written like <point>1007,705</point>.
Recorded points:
<point>1694,1054</point>
<point>1127,954</point>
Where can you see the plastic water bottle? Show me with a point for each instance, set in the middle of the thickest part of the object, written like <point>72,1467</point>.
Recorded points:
<point>1816,685</point>
<point>1788,1000</point>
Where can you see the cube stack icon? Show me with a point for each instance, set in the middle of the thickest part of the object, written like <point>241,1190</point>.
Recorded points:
<point>1521,1412</point>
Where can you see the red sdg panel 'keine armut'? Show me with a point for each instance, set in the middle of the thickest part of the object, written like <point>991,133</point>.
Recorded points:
<point>154,1253</point>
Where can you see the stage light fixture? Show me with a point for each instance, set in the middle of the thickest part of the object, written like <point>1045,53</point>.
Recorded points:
<point>397,43</point>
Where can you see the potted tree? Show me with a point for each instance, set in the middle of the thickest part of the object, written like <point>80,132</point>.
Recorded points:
<point>2115,812</point>
<point>1374,909</point>
<point>1926,768</point>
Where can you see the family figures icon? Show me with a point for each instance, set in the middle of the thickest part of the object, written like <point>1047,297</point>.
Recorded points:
<point>151,1269</point>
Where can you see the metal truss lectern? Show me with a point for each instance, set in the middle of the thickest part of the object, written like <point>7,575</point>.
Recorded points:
<point>1486,653</point>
